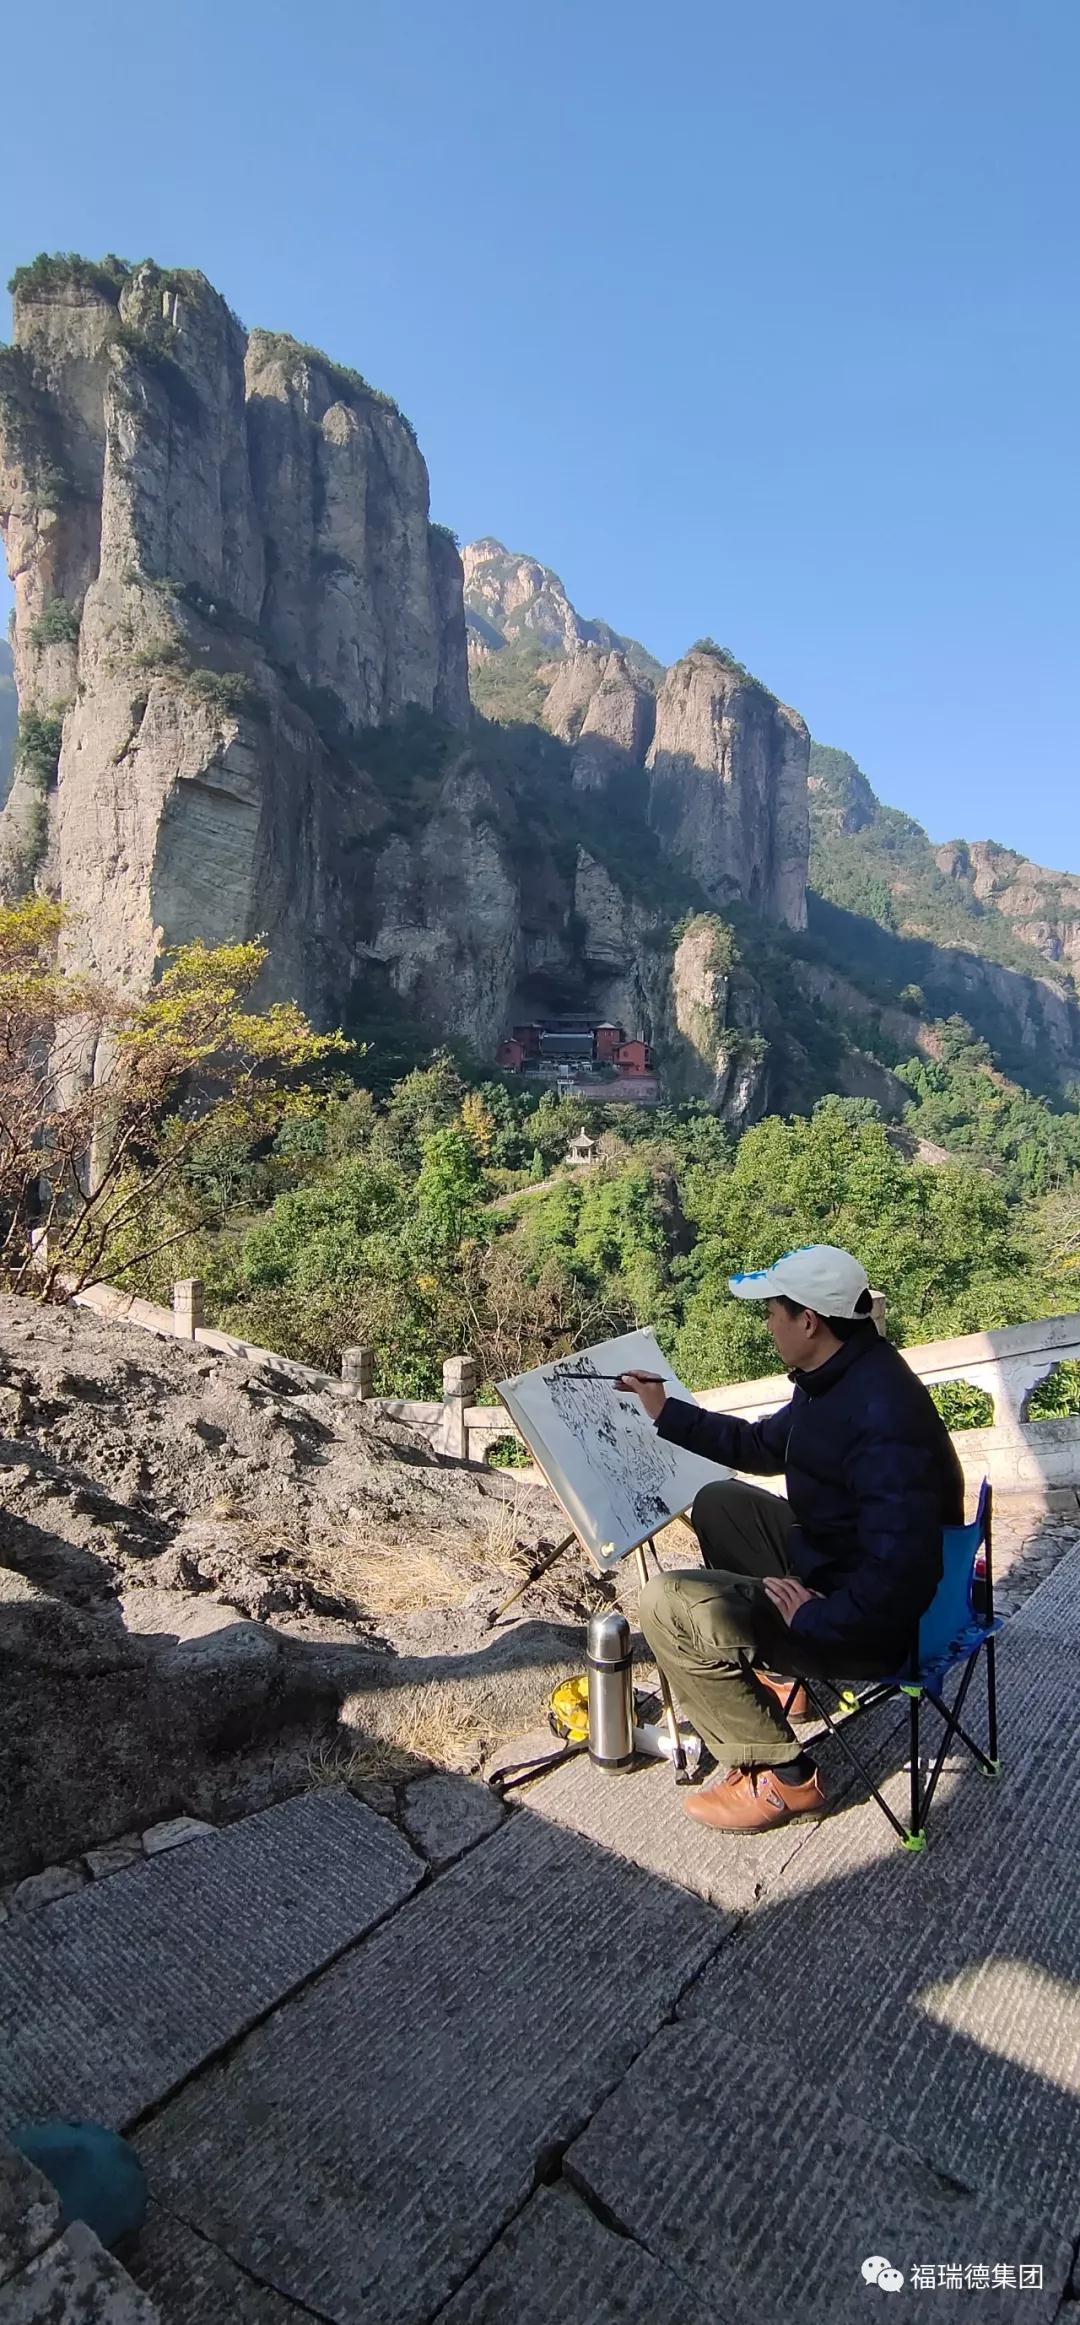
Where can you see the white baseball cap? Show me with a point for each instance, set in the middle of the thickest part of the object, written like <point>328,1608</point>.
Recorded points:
<point>817,1276</point>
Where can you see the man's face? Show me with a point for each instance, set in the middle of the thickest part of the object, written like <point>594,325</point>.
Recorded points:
<point>794,1337</point>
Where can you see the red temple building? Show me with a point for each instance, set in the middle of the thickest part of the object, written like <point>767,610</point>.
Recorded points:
<point>608,1038</point>
<point>565,1048</point>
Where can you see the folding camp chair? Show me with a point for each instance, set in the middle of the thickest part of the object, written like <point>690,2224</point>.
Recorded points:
<point>952,1631</point>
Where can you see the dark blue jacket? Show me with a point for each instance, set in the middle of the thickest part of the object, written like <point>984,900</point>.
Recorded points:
<point>872,1477</point>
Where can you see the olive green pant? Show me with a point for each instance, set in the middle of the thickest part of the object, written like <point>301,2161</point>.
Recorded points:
<point>708,1626</point>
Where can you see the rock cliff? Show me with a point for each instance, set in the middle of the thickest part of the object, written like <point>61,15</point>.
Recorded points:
<point>9,713</point>
<point>240,653</point>
<point>606,710</point>
<point>1042,907</point>
<point>224,572</point>
<point>727,793</point>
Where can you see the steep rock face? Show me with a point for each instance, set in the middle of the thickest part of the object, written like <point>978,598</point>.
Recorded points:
<point>716,1011</point>
<point>1042,906</point>
<point>351,600</point>
<point>511,595</point>
<point>9,716</point>
<point>727,793</point>
<point>621,951</point>
<point>223,567</point>
<point>447,911</point>
<point>599,704</point>
<point>451,697</point>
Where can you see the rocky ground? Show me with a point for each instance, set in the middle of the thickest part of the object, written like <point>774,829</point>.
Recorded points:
<point>219,1586</point>
<point>216,1583</point>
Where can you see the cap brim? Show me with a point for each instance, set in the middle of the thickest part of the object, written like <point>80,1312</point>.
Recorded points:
<point>760,1284</point>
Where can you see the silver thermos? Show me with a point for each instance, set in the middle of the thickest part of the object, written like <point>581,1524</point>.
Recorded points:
<point>611,1692</point>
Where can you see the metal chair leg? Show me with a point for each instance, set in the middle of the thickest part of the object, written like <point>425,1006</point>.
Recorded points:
<point>915,1838</point>
<point>836,1728</point>
<point>991,1704</point>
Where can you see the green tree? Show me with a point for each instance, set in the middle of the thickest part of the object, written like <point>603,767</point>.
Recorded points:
<point>942,1244</point>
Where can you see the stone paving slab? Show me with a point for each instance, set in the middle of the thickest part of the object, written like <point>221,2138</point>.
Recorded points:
<point>29,2211</point>
<point>640,1814</point>
<point>108,1999</point>
<point>1054,1608</point>
<point>557,2261</point>
<point>939,1991</point>
<point>367,2144</point>
<point>685,2157</point>
<point>75,2282</point>
<point>191,2283</point>
<point>446,1814</point>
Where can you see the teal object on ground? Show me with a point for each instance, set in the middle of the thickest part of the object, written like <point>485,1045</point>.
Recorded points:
<point>97,2176</point>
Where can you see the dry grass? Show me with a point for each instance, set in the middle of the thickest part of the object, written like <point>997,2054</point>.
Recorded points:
<point>406,1579</point>
<point>678,1544</point>
<point>389,1733</point>
<point>505,1524</point>
<point>426,1726</point>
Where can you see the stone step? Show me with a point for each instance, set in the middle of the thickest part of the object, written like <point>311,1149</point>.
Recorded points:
<point>75,2282</point>
<point>110,1997</point>
<point>364,2147</point>
<point>762,2189</point>
<point>52,2275</point>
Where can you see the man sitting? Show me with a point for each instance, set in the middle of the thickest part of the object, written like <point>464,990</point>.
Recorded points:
<point>830,1583</point>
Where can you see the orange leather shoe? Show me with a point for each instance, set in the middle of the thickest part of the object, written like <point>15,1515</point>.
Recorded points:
<point>752,1800</point>
<point>800,1707</point>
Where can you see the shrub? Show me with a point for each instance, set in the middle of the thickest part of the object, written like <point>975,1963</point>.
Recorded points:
<point>37,743</point>
<point>228,692</point>
<point>962,1406</point>
<point>1057,1397</point>
<point>508,1453</point>
<point>63,270</point>
<point>56,625</point>
<point>731,662</point>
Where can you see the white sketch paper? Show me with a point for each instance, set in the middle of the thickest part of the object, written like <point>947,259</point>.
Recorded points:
<point>616,1479</point>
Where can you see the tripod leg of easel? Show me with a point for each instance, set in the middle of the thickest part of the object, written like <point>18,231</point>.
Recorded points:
<point>533,1576</point>
<point>678,1748</point>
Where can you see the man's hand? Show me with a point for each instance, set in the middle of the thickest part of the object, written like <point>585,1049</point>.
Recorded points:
<point>787,1595</point>
<point>649,1387</point>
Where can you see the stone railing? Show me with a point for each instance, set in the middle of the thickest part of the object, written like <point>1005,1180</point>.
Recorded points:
<point>1013,1451</point>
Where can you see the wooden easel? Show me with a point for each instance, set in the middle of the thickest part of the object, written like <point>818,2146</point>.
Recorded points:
<point>678,1749</point>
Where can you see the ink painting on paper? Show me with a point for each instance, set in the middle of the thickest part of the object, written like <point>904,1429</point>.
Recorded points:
<point>616,1479</point>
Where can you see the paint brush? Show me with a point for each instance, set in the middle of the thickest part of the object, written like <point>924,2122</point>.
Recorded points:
<point>658,1377</point>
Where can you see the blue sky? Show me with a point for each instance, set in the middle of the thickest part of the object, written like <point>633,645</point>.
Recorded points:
<point>753,319</point>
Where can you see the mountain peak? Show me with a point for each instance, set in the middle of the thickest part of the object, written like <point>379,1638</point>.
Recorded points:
<point>511,599</point>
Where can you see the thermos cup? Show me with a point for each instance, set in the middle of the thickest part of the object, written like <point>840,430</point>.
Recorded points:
<point>611,1692</point>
